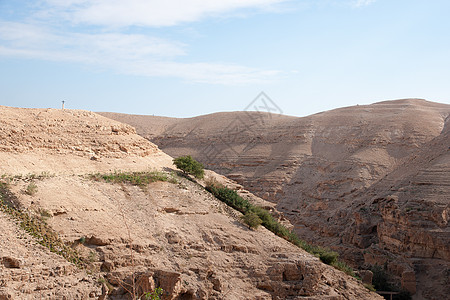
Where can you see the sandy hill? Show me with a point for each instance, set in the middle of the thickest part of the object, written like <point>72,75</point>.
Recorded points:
<point>123,237</point>
<point>371,181</point>
<point>71,141</point>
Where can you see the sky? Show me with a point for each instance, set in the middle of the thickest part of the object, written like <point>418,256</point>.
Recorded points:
<point>184,58</point>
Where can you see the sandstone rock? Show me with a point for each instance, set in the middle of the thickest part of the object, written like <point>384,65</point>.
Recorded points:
<point>217,284</point>
<point>5,294</point>
<point>107,266</point>
<point>145,283</point>
<point>291,272</point>
<point>366,276</point>
<point>173,237</point>
<point>10,262</point>
<point>169,281</point>
<point>97,241</point>
<point>409,281</point>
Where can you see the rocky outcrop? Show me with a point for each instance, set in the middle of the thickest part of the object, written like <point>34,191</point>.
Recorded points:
<point>370,181</point>
<point>70,141</point>
<point>67,131</point>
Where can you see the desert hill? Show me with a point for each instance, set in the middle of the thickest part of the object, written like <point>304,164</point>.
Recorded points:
<point>69,141</point>
<point>123,239</point>
<point>370,181</point>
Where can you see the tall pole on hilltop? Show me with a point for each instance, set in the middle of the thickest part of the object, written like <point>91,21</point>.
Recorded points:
<point>63,104</point>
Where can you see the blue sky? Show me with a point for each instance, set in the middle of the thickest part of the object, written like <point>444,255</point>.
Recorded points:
<point>184,58</point>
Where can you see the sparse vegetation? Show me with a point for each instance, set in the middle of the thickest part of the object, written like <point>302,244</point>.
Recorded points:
<point>37,228</point>
<point>155,295</point>
<point>370,287</point>
<point>252,220</point>
<point>340,265</point>
<point>141,179</point>
<point>44,214</point>
<point>92,256</point>
<point>82,240</point>
<point>109,286</point>
<point>189,165</point>
<point>26,177</point>
<point>231,198</point>
<point>31,189</point>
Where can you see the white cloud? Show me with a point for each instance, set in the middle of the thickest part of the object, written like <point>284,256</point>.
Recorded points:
<point>154,13</point>
<point>128,46</point>
<point>55,30</point>
<point>132,54</point>
<point>360,3</point>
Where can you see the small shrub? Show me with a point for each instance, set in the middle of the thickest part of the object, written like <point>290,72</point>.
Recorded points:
<point>230,197</point>
<point>327,256</point>
<point>173,178</point>
<point>44,214</point>
<point>155,295</point>
<point>92,256</point>
<point>252,220</point>
<point>31,189</point>
<point>82,240</point>
<point>189,166</point>
<point>109,286</point>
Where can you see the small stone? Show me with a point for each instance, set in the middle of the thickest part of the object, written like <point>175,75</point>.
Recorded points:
<point>10,262</point>
<point>173,238</point>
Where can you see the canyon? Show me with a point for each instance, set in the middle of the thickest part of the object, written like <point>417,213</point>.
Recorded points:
<point>371,182</point>
<point>69,233</point>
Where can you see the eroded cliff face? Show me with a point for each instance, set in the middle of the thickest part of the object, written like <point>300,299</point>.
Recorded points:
<point>369,181</point>
<point>172,235</point>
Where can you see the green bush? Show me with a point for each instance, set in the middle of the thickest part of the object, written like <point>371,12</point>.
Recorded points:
<point>155,295</point>
<point>252,220</point>
<point>231,198</point>
<point>327,256</point>
<point>189,166</point>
